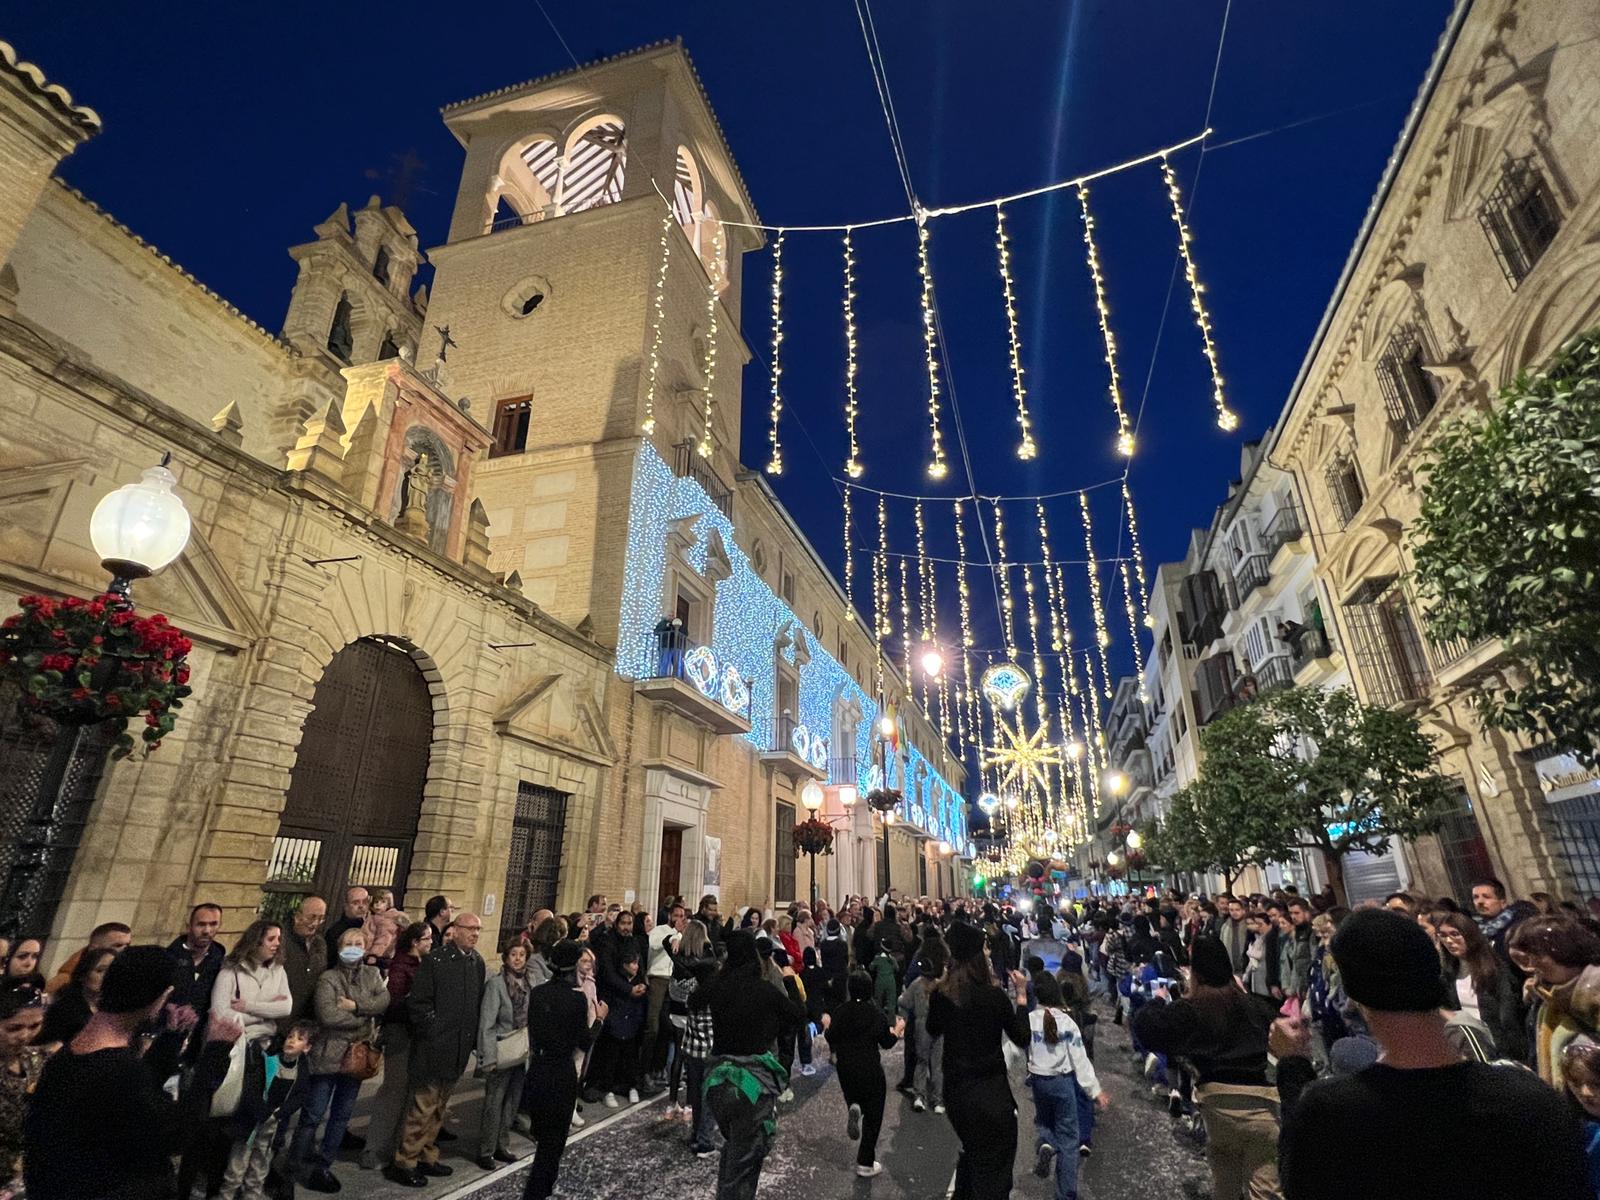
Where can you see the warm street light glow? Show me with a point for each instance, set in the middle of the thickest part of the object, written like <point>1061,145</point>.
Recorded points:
<point>944,849</point>
<point>1134,840</point>
<point>886,726</point>
<point>888,816</point>
<point>847,795</point>
<point>932,661</point>
<point>1012,800</point>
<point>1074,749</point>
<point>1117,782</point>
<point>811,796</point>
<point>141,527</point>
<point>1113,859</point>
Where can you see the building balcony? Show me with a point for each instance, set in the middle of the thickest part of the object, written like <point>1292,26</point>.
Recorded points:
<point>1308,645</point>
<point>1251,574</point>
<point>1273,674</point>
<point>788,753</point>
<point>1203,601</point>
<point>1285,529</point>
<point>687,464</point>
<point>689,679</point>
<point>1217,687</point>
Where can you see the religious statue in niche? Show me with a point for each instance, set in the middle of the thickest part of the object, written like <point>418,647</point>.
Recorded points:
<point>425,498</point>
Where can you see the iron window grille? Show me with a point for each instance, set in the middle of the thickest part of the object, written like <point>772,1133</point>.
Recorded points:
<point>1388,648</point>
<point>1520,218</point>
<point>533,870</point>
<point>1409,390</point>
<point>1345,489</point>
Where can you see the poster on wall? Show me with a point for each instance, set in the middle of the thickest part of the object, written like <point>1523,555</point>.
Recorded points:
<point>712,883</point>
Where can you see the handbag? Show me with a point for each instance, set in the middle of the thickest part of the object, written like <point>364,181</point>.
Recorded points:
<point>511,1050</point>
<point>362,1060</point>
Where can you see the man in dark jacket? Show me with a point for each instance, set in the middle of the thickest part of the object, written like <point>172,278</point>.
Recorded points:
<point>304,955</point>
<point>196,959</point>
<point>709,916</point>
<point>443,1009</point>
<point>357,903</point>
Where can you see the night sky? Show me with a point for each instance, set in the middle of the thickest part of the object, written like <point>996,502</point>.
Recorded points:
<point>231,130</point>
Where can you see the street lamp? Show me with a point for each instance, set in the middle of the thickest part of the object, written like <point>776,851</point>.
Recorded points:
<point>140,528</point>
<point>1135,841</point>
<point>1117,782</point>
<point>848,795</point>
<point>886,726</point>
<point>812,797</point>
<point>932,661</point>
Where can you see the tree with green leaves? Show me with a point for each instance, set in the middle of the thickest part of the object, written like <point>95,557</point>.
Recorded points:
<point>1507,546</point>
<point>1316,769</point>
<point>1212,825</point>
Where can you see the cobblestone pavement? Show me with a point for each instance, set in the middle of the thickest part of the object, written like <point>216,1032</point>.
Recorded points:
<point>636,1154</point>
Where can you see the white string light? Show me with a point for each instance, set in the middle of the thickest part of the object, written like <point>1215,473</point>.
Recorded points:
<point>713,277</point>
<point>1002,569</point>
<point>880,592</point>
<point>1124,430</point>
<point>1137,554</point>
<point>657,322</point>
<point>974,736</point>
<point>905,635</point>
<point>937,468</point>
<point>1227,419</point>
<point>1133,629</point>
<point>1027,448</point>
<point>852,466</point>
<point>1102,636</point>
<point>849,561</point>
<point>775,368</point>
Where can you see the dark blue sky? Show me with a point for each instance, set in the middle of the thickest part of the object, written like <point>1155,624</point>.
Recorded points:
<point>230,131</point>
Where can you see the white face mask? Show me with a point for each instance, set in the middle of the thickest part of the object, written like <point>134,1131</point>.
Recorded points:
<point>351,955</point>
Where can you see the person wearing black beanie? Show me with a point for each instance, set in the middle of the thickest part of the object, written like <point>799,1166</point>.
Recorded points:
<point>1366,1134</point>
<point>98,1123</point>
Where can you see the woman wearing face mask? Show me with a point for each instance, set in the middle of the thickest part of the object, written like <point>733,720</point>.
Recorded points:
<point>348,999</point>
<point>74,1004</point>
<point>21,1016</point>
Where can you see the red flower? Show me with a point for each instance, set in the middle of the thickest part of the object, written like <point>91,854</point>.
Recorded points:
<point>80,693</point>
<point>183,674</point>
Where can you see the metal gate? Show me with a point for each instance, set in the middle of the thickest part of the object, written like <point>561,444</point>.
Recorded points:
<point>356,790</point>
<point>41,825</point>
<point>535,867</point>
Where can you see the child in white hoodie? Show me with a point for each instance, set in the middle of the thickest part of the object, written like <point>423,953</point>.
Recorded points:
<point>1058,1066</point>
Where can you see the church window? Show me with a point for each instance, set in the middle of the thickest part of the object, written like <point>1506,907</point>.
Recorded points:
<point>1520,218</point>
<point>380,266</point>
<point>592,174</point>
<point>339,339</point>
<point>1409,391</point>
<point>686,191</point>
<point>511,419</point>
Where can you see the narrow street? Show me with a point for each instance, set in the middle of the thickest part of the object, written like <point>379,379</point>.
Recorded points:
<point>1138,1152</point>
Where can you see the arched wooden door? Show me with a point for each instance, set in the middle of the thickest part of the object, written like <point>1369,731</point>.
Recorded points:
<point>356,789</point>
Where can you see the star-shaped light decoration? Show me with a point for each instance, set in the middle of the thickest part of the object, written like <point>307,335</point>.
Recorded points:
<point>1025,758</point>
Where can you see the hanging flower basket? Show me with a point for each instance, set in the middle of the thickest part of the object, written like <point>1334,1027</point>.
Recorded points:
<point>813,836</point>
<point>884,799</point>
<point>1121,830</point>
<point>87,662</point>
<point>1114,872</point>
<point>1136,859</point>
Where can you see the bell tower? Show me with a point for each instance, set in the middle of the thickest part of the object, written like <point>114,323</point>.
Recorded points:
<point>574,187</point>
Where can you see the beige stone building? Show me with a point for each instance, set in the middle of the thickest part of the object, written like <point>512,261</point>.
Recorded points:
<point>431,542</point>
<point>1479,256</point>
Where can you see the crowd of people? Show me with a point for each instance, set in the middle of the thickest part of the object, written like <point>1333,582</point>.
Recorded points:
<point>1311,1048</point>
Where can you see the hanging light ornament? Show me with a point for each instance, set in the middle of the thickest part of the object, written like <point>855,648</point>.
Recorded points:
<point>852,466</point>
<point>1227,419</point>
<point>1027,449</point>
<point>1124,430</point>
<point>849,562</point>
<point>1138,554</point>
<point>1005,685</point>
<point>1101,635</point>
<point>775,463</point>
<point>657,323</point>
<point>937,468</point>
<point>713,278</point>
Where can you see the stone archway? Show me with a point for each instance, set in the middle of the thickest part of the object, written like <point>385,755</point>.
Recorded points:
<point>356,787</point>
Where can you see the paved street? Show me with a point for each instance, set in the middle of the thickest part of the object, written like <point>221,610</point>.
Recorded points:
<point>624,1154</point>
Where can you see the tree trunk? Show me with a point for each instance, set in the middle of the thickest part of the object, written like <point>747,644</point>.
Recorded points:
<point>1334,863</point>
<point>1228,878</point>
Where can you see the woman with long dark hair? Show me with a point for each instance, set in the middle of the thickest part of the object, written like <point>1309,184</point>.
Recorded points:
<point>1479,984</point>
<point>253,988</point>
<point>972,1014</point>
<point>74,1004</point>
<point>1222,1031</point>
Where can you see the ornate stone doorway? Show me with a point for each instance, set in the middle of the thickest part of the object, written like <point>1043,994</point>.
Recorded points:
<point>356,790</point>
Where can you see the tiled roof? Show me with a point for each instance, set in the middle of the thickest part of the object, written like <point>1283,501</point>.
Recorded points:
<point>640,51</point>
<point>33,78</point>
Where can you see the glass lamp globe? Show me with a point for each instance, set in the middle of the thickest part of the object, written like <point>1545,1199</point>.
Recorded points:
<point>1117,782</point>
<point>944,848</point>
<point>1135,841</point>
<point>886,726</point>
<point>811,796</point>
<point>1113,859</point>
<point>847,795</point>
<point>932,660</point>
<point>140,528</point>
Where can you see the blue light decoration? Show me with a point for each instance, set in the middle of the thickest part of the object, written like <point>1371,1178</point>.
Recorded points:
<point>1004,684</point>
<point>748,619</point>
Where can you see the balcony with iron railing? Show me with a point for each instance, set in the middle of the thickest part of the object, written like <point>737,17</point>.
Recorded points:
<point>1251,573</point>
<point>843,770</point>
<point>1273,674</point>
<point>687,677</point>
<point>1203,601</point>
<point>1286,528</point>
<point>788,754</point>
<point>1308,645</point>
<point>687,464</point>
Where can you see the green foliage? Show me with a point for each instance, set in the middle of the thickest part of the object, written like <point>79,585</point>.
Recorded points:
<point>1305,768</point>
<point>1507,546</point>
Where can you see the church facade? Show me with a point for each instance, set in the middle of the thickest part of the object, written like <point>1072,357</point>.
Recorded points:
<point>434,536</point>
